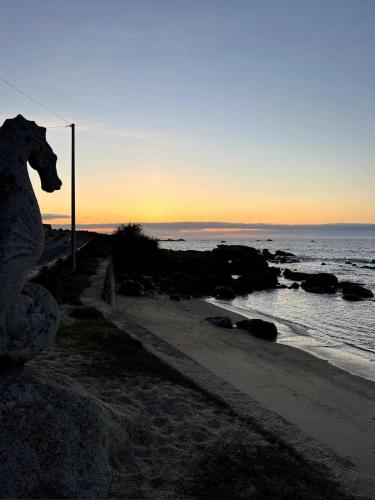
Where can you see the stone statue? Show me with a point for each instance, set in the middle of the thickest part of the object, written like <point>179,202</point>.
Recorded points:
<point>29,315</point>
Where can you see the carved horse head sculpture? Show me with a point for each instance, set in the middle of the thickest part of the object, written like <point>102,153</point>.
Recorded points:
<point>35,150</point>
<point>29,315</point>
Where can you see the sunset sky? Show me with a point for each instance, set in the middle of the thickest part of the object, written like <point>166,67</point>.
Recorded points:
<point>237,111</point>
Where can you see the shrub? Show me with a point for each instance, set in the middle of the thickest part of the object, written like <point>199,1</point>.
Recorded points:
<point>133,250</point>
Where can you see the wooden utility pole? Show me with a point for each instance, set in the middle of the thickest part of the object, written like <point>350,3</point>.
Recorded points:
<point>73,208</point>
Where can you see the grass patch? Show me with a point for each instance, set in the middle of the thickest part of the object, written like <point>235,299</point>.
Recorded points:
<point>111,352</point>
<point>66,287</point>
<point>234,471</point>
<point>69,290</point>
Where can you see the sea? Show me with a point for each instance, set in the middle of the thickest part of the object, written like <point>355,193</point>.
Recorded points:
<point>341,332</point>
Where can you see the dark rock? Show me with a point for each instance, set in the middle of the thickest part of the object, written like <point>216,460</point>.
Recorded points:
<point>324,280</point>
<point>147,282</point>
<point>265,280</point>
<point>196,273</point>
<point>284,254</point>
<point>360,291</point>
<point>224,293</point>
<point>323,264</point>
<point>314,283</point>
<point>235,251</point>
<point>131,287</point>
<point>220,321</point>
<point>343,284</point>
<point>281,287</point>
<point>175,297</point>
<point>295,275</point>
<point>243,285</point>
<point>294,286</point>
<point>259,328</point>
<point>267,253</point>
<point>311,288</point>
<point>351,297</point>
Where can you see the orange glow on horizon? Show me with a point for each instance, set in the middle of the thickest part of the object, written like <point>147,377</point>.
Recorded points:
<point>156,196</point>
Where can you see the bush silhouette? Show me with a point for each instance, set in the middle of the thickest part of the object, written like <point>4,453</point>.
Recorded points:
<point>133,250</point>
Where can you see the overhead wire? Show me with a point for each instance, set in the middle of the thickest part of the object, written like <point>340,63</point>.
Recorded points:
<point>35,101</point>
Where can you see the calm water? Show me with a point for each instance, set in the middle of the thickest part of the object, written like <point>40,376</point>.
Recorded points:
<point>325,325</point>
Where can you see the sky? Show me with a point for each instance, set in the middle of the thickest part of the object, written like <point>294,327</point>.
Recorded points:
<point>243,111</point>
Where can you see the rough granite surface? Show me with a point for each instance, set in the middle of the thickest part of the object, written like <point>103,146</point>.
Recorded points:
<point>52,441</point>
<point>29,315</point>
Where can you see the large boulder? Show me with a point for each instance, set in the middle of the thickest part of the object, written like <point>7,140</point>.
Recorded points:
<point>240,259</point>
<point>324,281</point>
<point>312,288</point>
<point>131,287</point>
<point>351,297</point>
<point>284,254</point>
<point>259,328</point>
<point>314,283</point>
<point>220,321</point>
<point>224,293</point>
<point>235,251</point>
<point>295,275</point>
<point>52,441</point>
<point>358,290</point>
<point>264,280</point>
<point>267,254</point>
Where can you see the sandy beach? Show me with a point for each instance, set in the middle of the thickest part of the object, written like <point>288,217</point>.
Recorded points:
<point>327,403</point>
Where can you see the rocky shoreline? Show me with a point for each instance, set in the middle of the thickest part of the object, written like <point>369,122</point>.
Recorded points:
<point>226,272</point>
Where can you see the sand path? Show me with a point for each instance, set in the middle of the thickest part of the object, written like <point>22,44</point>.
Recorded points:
<point>329,404</point>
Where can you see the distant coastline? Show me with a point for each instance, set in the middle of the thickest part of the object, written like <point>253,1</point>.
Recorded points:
<point>231,230</point>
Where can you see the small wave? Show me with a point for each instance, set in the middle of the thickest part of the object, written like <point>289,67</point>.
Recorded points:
<point>359,348</point>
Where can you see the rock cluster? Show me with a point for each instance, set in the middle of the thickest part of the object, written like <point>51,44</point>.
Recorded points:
<point>224,272</point>
<point>327,283</point>
<point>257,327</point>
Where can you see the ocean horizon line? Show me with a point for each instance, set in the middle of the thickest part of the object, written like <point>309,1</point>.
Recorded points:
<point>231,230</point>
<point>223,225</point>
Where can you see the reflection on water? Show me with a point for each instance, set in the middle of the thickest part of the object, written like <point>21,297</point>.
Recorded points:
<point>324,325</point>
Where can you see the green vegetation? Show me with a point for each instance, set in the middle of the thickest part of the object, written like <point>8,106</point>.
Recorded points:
<point>235,471</point>
<point>110,351</point>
